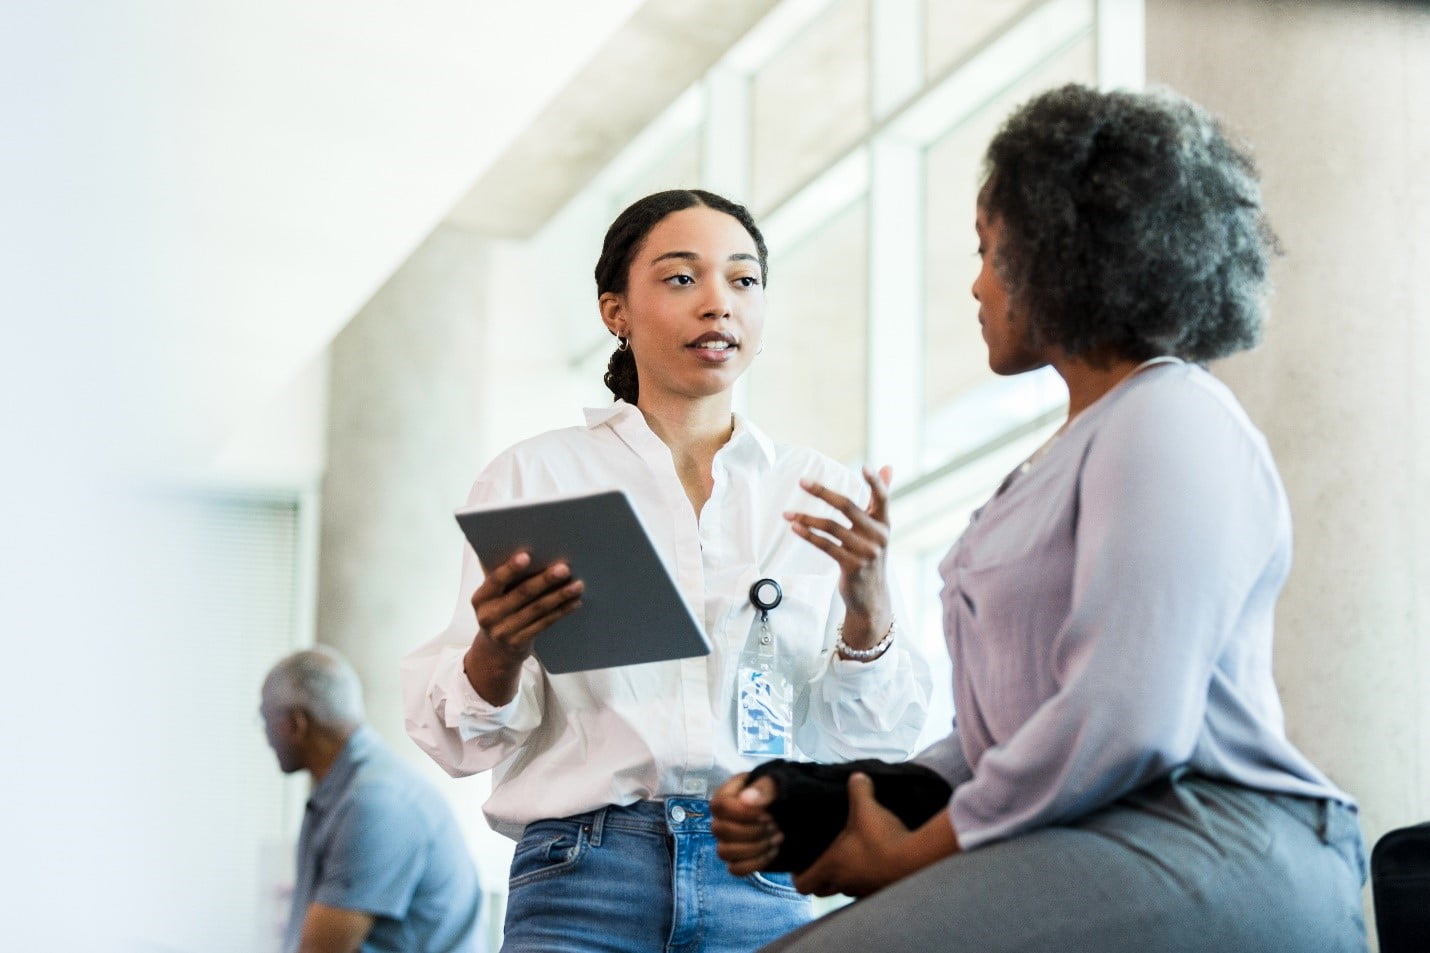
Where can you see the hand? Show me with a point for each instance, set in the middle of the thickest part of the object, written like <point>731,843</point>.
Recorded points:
<point>860,548</point>
<point>510,615</point>
<point>745,833</point>
<point>867,855</point>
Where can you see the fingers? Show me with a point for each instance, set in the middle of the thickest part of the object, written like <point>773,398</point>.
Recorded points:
<point>850,510</point>
<point>869,523</point>
<point>818,877</point>
<point>746,847</point>
<point>755,860</point>
<point>747,838</point>
<point>836,536</point>
<point>536,616</point>
<point>861,796</point>
<point>759,795</point>
<point>738,812</point>
<point>879,483</point>
<point>728,791</point>
<point>513,612</point>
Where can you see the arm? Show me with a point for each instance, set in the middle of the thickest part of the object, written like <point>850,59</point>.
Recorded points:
<point>445,714</point>
<point>473,695</point>
<point>861,709</point>
<point>1179,519</point>
<point>875,848</point>
<point>333,930</point>
<point>371,865</point>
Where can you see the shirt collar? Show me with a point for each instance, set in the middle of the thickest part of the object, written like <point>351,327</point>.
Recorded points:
<point>358,748</point>
<point>746,433</point>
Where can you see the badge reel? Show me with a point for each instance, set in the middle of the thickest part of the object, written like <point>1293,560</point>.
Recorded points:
<point>765,697</point>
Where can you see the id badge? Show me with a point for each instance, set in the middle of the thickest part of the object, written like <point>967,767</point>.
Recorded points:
<point>765,704</point>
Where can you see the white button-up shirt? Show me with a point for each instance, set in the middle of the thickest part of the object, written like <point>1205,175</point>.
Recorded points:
<point>576,742</point>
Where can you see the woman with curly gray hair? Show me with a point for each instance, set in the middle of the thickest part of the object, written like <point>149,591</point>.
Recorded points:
<point>1118,776</point>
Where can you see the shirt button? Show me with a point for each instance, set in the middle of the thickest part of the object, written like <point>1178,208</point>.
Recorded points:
<point>677,814</point>
<point>694,786</point>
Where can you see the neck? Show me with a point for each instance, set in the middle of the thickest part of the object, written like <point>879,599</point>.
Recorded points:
<point>694,430</point>
<point>690,428</point>
<point>1088,384</point>
<point>324,748</point>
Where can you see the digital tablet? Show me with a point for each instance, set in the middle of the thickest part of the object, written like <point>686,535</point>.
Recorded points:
<point>631,609</point>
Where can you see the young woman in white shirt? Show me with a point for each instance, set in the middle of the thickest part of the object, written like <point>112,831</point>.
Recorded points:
<point>602,776</point>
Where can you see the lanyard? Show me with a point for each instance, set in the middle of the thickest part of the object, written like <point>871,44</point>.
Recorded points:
<point>765,696</point>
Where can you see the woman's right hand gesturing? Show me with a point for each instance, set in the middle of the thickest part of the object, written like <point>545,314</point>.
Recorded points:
<point>510,614</point>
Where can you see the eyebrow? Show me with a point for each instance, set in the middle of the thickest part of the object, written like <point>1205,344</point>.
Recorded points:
<point>692,256</point>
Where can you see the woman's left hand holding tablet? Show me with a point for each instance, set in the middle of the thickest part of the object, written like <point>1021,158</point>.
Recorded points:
<point>860,547</point>
<point>511,612</point>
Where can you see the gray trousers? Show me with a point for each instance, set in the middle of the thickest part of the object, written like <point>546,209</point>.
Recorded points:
<point>1186,864</point>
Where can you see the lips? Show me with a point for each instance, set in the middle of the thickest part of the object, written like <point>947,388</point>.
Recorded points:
<point>715,341</point>
<point>714,348</point>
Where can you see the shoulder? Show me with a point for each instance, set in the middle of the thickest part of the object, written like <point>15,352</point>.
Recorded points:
<point>1180,406</point>
<point>1181,428</point>
<point>391,794</point>
<point>527,465</point>
<point>532,450</point>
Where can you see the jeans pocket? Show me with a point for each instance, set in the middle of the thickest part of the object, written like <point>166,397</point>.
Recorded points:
<point>781,885</point>
<point>547,849</point>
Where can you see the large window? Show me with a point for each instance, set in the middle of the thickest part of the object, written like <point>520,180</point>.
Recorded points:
<point>854,130</point>
<point>239,569</point>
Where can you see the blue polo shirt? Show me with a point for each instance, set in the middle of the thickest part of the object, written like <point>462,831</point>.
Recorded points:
<point>378,838</point>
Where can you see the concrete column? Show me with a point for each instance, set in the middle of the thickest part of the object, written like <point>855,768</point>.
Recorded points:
<point>403,449</point>
<point>1332,98</point>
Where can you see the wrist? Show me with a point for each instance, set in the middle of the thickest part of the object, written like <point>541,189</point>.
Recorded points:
<point>492,667</point>
<point>865,649</point>
<point>864,625</point>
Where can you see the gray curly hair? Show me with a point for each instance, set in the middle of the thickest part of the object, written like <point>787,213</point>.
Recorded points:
<point>1131,226</point>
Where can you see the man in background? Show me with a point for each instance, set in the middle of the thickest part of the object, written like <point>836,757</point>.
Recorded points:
<point>382,865</point>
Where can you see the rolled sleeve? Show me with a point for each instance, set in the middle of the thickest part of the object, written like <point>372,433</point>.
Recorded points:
<point>871,709</point>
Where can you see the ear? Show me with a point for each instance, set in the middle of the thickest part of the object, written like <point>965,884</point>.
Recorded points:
<point>613,314</point>
<point>300,723</point>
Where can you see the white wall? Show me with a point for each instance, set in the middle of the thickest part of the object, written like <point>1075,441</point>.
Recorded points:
<point>1332,98</point>
<point>197,198</point>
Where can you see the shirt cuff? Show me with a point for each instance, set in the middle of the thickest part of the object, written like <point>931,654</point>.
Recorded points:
<point>465,709</point>
<point>852,670</point>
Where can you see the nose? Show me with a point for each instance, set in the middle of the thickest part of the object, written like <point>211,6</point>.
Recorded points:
<point>716,303</point>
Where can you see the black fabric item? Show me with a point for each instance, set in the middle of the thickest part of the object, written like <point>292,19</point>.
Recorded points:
<point>811,802</point>
<point>1400,883</point>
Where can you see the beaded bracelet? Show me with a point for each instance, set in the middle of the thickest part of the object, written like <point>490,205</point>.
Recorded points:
<point>864,655</point>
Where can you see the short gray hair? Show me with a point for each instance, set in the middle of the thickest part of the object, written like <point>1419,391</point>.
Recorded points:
<point>319,681</point>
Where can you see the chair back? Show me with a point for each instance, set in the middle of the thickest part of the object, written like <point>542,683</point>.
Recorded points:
<point>1400,886</point>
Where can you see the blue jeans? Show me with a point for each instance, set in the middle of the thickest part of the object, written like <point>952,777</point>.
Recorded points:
<point>640,879</point>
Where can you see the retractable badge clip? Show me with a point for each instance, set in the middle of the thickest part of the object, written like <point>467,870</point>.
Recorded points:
<point>765,695</point>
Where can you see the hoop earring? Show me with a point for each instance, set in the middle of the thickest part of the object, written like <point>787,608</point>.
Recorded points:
<point>623,344</point>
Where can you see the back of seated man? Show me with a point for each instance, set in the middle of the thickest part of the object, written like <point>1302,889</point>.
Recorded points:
<point>382,865</point>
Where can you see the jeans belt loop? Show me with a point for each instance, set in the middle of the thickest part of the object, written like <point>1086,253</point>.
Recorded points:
<point>598,823</point>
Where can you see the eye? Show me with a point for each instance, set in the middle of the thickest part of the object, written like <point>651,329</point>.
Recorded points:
<point>680,279</point>
<point>748,281</point>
